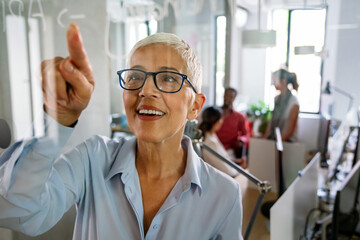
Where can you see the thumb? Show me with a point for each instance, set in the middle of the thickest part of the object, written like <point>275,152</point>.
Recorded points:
<point>76,49</point>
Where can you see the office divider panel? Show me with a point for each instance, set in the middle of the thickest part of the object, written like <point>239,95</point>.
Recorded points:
<point>288,215</point>
<point>262,157</point>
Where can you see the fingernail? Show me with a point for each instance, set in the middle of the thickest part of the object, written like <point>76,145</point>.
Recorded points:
<point>68,66</point>
<point>61,102</point>
<point>74,32</point>
<point>74,26</point>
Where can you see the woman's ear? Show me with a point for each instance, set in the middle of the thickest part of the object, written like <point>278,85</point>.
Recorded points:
<point>196,107</point>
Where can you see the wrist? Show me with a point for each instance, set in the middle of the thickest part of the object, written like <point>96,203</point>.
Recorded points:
<point>74,124</point>
<point>66,119</point>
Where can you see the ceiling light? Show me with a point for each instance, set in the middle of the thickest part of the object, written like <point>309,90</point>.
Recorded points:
<point>259,38</point>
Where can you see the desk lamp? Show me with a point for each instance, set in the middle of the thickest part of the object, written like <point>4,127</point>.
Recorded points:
<point>329,89</point>
<point>259,38</point>
<point>194,133</point>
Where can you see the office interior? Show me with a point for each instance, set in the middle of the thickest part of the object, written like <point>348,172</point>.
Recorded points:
<point>316,39</point>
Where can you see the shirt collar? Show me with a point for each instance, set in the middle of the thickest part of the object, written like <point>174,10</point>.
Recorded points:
<point>125,162</point>
<point>125,157</point>
<point>231,110</point>
<point>193,165</point>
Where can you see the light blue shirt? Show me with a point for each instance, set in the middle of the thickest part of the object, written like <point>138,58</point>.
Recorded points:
<point>37,186</point>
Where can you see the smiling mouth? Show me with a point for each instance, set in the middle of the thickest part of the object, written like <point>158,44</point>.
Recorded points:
<point>146,112</point>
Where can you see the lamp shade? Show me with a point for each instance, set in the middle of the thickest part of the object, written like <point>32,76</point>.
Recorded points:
<point>301,50</point>
<point>259,38</point>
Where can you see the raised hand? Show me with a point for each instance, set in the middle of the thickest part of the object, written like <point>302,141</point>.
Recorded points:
<point>67,83</point>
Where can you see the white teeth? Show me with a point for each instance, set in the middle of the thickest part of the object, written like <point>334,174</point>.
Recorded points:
<point>150,112</point>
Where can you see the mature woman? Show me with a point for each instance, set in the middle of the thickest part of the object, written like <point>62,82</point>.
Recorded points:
<point>152,186</point>
<point>286,110</point>
<point>211,122</point>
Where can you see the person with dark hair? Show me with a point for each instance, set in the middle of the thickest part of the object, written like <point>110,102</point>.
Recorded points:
<point>286,110</point>
<point>233,133</point>
<point>211,122</point>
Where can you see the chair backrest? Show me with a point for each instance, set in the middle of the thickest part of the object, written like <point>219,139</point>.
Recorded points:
<point>312,131</point>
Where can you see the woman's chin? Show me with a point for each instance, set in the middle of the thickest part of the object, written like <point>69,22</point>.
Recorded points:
<point>156,137</point>
<point>149,136</point>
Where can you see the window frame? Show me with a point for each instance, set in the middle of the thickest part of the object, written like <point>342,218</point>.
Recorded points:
<point>287,63</point>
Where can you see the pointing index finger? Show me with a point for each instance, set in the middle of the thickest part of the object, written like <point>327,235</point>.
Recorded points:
<point>76,49</point>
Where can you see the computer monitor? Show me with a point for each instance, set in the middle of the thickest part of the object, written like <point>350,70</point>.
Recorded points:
<point>357,151</point>
<point>337,148</point>
<point>345,140</point>
<point>346,206</point>
<point>357,143</point>
<point>323,139</point>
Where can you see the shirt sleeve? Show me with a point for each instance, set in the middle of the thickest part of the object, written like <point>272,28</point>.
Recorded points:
<point>232,225</point>
<point>36,186</point>
<point>242,125</point>
<point>243,133</point>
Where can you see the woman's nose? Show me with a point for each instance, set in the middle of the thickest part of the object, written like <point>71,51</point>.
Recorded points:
<point>149,87</point>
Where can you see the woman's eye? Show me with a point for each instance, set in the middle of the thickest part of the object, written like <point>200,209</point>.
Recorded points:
<point>134,77</point>
<point>169,79</point>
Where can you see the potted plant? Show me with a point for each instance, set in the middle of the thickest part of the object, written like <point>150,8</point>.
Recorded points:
<point>259,115</point>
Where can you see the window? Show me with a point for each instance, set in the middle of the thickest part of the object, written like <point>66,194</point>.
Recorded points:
<point>123,33</point>
<point>23,44</point>
<point>300,40</point>
<point>220,59</point>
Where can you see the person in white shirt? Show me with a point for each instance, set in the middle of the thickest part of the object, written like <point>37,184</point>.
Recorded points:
<point>211,122</point>
<point>286,110</point>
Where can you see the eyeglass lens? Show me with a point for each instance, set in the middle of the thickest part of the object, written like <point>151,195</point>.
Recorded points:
<point>165,81</point>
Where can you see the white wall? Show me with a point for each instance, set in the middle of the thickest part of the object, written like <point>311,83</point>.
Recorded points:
<point>342,67</point>
<point>252,63</point>
<point>198,30</point>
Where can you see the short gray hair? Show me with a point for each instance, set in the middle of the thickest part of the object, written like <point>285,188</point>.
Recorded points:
<point>193,65</point>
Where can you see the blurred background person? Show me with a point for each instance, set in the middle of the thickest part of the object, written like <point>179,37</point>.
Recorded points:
<point>286,110</point>
<point>211,122</point>
<point>233,133</point>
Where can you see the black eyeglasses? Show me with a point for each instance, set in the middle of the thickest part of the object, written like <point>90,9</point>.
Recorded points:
<point>165,81</point>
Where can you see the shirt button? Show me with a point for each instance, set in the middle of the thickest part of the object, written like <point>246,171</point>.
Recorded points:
<point>155,226</point>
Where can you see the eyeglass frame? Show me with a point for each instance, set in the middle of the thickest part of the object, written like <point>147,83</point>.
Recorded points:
<point>183,76</point>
